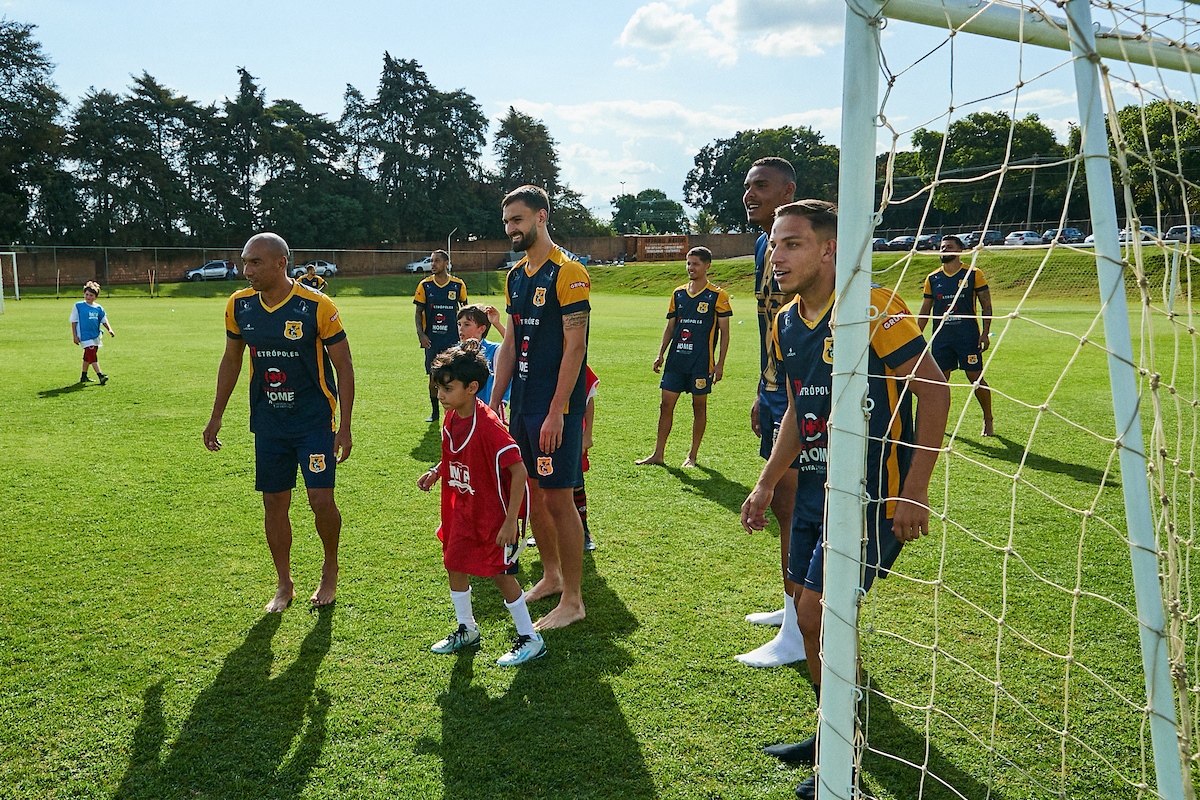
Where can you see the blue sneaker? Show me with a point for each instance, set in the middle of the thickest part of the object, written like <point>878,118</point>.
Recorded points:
<point>463,637</point>
<point>525,648</point>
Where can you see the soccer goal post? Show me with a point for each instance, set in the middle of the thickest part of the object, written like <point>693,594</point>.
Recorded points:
<point>12,258</point>
<point>1007,672</point>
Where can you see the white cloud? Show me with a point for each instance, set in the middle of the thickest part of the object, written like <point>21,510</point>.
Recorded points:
<point>663,28</point>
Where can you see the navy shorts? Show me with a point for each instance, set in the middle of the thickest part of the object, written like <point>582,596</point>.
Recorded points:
<point>806,553</point>
<point>275,461</point>
<point>772,407</point>
<point>957,349</point>
<point>686,382</point>
<point>562,469</point>
<point>434,350</point>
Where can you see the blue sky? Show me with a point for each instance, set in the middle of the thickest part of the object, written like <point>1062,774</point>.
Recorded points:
<point>630,90</point>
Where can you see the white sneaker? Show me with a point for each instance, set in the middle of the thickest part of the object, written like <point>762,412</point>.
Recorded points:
<point>783,649</point>
<point>525,648</point>
<point>463,637</point>
<point>773,618</point>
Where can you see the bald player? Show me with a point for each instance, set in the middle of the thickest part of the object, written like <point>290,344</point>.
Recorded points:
<point>296,344</point>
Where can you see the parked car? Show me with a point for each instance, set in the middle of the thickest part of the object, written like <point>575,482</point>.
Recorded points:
<point>424,265</point>
<point>213,271</point>
<point>1064,235</point>
<point>929,241</point>
<point>1146,232</point>
<point>988,238</point>
<point>879,243</point>
<point>1184,233</point>
<point>323,268</point>
<point>1022,238</point>
<point>903,243</point>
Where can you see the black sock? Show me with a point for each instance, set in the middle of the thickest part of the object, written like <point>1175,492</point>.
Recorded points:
<point>817,692</point>
<point>83,376</point>
<point>580,495</point>
<point>433,405</point>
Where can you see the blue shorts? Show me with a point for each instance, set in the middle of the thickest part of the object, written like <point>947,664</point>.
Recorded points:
<point>562,469</point>
<point>806,553</point>
<point>772,407</point>
<point>275,461</point>
<point>689,382</point>
<point>957,347</point>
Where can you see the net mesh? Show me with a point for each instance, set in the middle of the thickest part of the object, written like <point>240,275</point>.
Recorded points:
<point>1001,658</point>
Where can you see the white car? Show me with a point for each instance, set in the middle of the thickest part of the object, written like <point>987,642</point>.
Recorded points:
<point>424,265</point>
<point>213,271</point>
<point>1020,238</point>
<point>323,268</point>
<point>1146,233</point>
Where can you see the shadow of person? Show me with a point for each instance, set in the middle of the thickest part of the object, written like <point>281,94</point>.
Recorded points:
<point>897,751</point>
<point>248,734</point>
<point>1013,452</point>
<point>558,731</point>
<point>429,449</point>
<point>71,387</point>
<point>714,487</point>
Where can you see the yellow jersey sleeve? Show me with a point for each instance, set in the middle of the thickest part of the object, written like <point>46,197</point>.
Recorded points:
<point>329,322</point>
<point>462,292</point>
<point>980,281</point>
<point>231,327</point>
<point>895,337</point>
<point>928,290</point>
<point>724,309</point>
<point>419,297</point>
<point>574,288</point>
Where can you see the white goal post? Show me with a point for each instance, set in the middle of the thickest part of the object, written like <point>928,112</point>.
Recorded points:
<point>16,285</point>
<point>840,743</point>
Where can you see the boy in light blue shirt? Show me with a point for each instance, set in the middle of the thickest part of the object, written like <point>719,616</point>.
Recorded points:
<point>87,318</point>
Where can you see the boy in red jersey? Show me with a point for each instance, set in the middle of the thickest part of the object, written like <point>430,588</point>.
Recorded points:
<point>483,487</point>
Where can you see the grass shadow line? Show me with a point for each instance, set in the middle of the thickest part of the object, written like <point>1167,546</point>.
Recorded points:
<point>70,387</point>
<point>714,486</point>
<point>1013,452</point>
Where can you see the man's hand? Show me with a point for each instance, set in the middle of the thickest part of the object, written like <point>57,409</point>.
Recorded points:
<point>424,340</point>
<point>210,434</point>
<point>342,444</point>
<point>551,434</point>
<point>658,362</point>
<point>493,314</point>
<point>718,373</point>
<point>755,425</point>
<point>984,342</point>
<point>911,520</point>
<point>754,510</point>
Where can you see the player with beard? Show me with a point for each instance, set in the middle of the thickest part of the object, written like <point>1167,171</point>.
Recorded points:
<point>544,356</point>
<point>770,183</point>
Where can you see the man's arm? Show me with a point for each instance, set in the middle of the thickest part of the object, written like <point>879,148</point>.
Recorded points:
<point>923,314</point>
<point>339,354</point>
<point>783,453</point>
<point>668,335</point>
<point>421,337</point>
<point>985,327</point>
<point>723,335</point>
<point>928,384</point>
<point>227,378</point>
<point>574,348</point>
<point>506,360</point>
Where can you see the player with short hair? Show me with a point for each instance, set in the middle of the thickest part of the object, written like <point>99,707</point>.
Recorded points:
<point>957,341</point>
<point>438,298</point>
<point>543,356</point>
<point>312,280</point>
<point>901,451</point>
<point>697,317</point>
<point>87,318</point>
<point>475,322</point>
<point>297,344</point>
<point>483,489</point>
<point>771,182</point>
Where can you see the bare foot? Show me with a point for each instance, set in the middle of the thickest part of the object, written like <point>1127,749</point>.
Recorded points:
<point>988,430</point>
<point>544,588</point>
<point>651,460</point>
<point>562,616</point>
<point>281,600</point>
<point>326,589</point>
<point>688,462</point>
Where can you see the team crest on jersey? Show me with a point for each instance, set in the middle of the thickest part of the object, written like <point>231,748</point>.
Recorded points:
<point>545,465</point>
<point>452,295</point>
<point>972,360</point>
<point>293,330</point>
<point>460,478</point>
<point>701,383</point>
<point>702,308</point>
<point>316,462</point>
<point>827,353</point>
<point>539,296</point>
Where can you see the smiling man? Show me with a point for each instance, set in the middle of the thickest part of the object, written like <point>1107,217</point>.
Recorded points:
<point>900,456</point>
<point>296,343</point>
<point>544,357</point>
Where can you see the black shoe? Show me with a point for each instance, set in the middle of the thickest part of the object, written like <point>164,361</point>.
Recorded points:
<point>84,379</point>
<point>103,379</point>
<point>801,753</point>
<point>807,790</point>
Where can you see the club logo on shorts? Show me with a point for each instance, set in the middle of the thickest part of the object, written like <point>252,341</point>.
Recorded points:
<point>293,330</point>
<point>545,465</point>
<point>702,308</point>
<point>539,296</point>
<point>972,360</point>
<point>701,383</point>
<point>316,462</point>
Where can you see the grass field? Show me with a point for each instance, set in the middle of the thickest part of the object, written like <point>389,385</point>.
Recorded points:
<point>135,661</point>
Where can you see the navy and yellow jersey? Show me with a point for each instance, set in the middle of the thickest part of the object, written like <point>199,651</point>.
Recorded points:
<point>439,310</point>
<point>693,344</point>
<point>770,301</point>
<point>292,385</point>
<point>537,302</point>
<point>805,354</point>
<point>955,293</point>
<point>313,281</point>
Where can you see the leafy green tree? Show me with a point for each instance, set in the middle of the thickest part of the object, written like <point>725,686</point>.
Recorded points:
<point>526,153</point>
<point>715,183</point>
<point>651,207</point>
<point>1162,148</point>
<point>704,223</point>
<point>569,217</point>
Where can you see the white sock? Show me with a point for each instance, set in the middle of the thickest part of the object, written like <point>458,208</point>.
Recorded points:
<point>789,626</point>
<point>520,615</point>
<point>462,608</point>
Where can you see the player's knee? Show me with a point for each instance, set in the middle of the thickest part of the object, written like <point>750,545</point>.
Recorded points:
<point>808,614</point>
<point>321,501</point>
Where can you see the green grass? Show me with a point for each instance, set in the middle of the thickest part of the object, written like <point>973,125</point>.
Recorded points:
<point>135,661</point>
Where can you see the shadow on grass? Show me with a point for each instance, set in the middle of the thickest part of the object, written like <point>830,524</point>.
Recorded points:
<point>899,771</point>
<point>713,486</point>
<point>248,734</point>
<point>1013,452</point>
<point>558,732</point>
<point>71,387</point>
<point>429,449</point>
